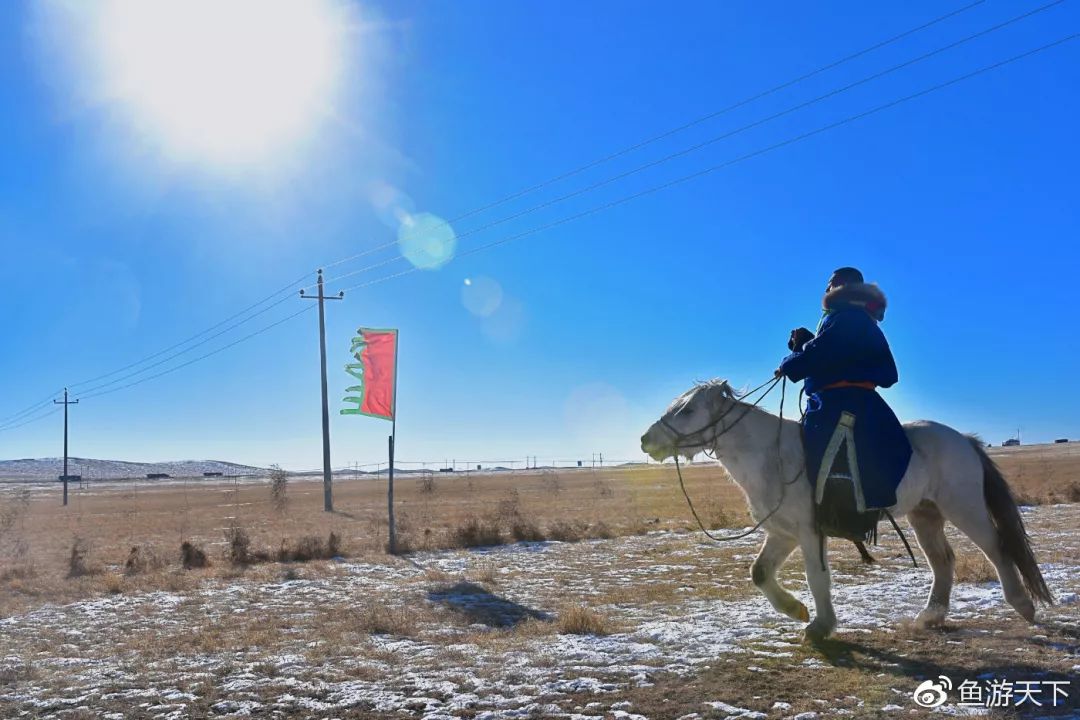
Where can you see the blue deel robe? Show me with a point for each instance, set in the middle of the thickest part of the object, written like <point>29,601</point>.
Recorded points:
<point>851,347</point>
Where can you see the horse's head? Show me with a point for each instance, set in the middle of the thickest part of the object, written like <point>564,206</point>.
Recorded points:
<point>691,421</point>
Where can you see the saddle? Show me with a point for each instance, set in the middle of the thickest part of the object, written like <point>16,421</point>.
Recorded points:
<point>840,509</point>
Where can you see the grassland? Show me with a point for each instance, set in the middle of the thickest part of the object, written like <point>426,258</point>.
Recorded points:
<point>120,537</point>
<point>634,617</point>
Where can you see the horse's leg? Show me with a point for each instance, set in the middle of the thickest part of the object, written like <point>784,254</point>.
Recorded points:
<point>815,555</point>
<point>864,553</point>
<point>773,554</point>
<point>973,519</point>
<point>929,526</point>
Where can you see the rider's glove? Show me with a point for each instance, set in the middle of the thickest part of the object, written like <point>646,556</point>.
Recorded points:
<point>799,337</point>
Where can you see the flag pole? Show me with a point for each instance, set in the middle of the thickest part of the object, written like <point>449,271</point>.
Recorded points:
<point>392,545</point>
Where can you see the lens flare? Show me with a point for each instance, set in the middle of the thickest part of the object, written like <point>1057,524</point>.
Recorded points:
<point>481,296</point>
<point>506,324</point>
<point>427,241</point>
<point>392,206</point>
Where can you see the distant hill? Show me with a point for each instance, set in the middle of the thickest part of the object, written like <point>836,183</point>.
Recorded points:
<point>52,468</point>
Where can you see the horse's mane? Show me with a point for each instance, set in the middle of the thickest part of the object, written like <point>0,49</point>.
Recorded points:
<point>719,385</point>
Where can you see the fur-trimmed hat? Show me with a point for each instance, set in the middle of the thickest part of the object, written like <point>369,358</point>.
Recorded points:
<point>868,296</point>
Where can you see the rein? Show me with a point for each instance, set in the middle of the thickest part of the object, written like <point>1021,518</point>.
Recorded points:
<point>681,437</point>
<point>769,386</point>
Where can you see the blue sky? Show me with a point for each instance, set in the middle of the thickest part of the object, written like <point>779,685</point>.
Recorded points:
<point>960,204</point>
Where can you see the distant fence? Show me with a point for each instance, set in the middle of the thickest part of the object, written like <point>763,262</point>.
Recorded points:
<point>453,466</point>
<point>352,470</point>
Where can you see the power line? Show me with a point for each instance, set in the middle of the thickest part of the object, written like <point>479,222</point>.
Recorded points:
<point>715,139</point>
<point>31,408</point>
<point>5,428</point>
<point>520,193</point>
<point>722,111</point>
<point>186,350</point>
<point>761,151</point>
<point>628,198</point>
<point>202,357</point>
<point>664,135</point>
<point>4,424</point>
<point>93,392</point>
<point>199,334</point>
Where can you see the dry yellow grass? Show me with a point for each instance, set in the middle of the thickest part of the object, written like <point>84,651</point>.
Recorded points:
<point>109,521</point>
<point>1042,473</point>
<point>580,620</point>
<point>106,523</point>
<point>972,567</point>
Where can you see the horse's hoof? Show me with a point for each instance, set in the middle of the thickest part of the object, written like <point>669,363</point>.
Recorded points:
<point>802,614</point>
<point>815,632</point>
<point>930,617</point>
<point>1027,610</point>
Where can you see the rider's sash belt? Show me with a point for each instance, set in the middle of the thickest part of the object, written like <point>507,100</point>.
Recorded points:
<point>848,383</point>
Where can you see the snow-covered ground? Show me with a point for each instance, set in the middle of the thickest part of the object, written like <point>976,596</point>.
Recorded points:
<point>242,647</point>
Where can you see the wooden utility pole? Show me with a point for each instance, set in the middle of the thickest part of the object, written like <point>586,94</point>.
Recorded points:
<point>328,492</point>
<point>65,403</point>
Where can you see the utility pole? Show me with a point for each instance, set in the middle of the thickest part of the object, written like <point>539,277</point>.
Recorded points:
<point>328,492</point>
<point>65,403</point>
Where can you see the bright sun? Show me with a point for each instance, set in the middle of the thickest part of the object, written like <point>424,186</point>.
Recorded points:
<point>221,81</point>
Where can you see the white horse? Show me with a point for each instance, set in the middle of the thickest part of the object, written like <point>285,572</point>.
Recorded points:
<point>950,477</point>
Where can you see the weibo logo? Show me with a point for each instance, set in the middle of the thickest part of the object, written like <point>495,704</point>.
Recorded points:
<point>931,693</point>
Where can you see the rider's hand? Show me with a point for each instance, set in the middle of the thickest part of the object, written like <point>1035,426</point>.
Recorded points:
<point>777,373</point>
<point>798,338</point>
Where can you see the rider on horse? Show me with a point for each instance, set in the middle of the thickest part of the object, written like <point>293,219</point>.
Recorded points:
<point>854,444</point>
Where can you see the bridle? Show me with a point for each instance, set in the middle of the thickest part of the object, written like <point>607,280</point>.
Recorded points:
<point>682,437</point>
<point>769,385</point>
<point>680,443</point>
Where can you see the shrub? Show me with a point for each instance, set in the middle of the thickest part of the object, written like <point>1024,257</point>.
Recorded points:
<point>508,513</point>
<point>720,517</point>
<point>142,559</point>
<point>77,560</point>
<point>114,584</point>
<point>477,532</point>
<point>974,568</point>
<point>310,547</point>
<point>279,487</point>
<point>192,557</point>
<point>601,530</point>
<point>403,538</point>
<point>1074,492</point>
<point>14,550</point>
<point>523,530</point>
<point>427,484</point>
<point>238,546</point>
<point>564,531</point>
<point>580,620</point>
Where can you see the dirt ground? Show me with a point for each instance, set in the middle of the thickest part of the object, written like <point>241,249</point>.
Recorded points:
<point>648,620</point>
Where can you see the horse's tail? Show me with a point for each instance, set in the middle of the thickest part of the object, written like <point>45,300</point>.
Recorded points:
<point>1012,536</point>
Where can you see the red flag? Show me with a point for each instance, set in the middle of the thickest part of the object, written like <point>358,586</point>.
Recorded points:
<point>376,369</point>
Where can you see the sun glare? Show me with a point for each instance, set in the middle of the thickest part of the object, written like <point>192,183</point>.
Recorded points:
<point>224,81</point>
